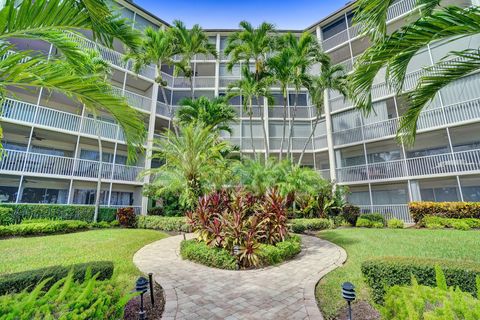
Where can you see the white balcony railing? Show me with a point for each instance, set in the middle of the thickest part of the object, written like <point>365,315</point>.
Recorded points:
<point>44,164</point>
<point>134,99</point>
<point>325,173</point>
<point>204,82</point>
<point>389,211</point>
<point>224,82</point>
<point>449,163</point>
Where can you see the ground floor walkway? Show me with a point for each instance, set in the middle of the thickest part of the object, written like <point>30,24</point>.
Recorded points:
<point>194,291</point>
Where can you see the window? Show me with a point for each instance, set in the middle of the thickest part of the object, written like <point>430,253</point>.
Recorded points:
<point>121,198</point>
<point>43,195</point>
<point>334,28</point>
<point>83,196</point>
<point>440,194</point>
<point>8,194</point>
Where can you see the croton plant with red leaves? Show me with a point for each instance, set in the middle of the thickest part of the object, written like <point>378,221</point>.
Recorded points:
<point>230,218</point>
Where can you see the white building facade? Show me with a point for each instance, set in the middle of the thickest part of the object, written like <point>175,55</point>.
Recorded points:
<point>51,149</point>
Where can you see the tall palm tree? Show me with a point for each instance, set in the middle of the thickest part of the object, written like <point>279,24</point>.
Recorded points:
<point>188,43</point>
<point>190,158</point>
<point>249,89</point>
<point>281,68</point>
<point>305,50</point>
<point>216,113</point>
<point>51,21</point>
<point>331,77</point>
<point>251,44</point>
<point>157,48</point>
<point>395,51</point>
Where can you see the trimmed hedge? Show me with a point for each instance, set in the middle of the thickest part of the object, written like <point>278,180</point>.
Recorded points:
<point>178,224</point>
<point>305,224</point>
<point>458,210</point>
<point>282,251</point>
<point>37,228</point>
<point>55,212</point>
<point>6,216</point>
<point>16,282</point>
<point>382,273</point>
<point>200,252</point>
<point>434,222</point>
<point>395,224</point>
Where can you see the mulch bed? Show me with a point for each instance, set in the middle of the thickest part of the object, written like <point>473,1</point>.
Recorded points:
<point>153,312</point>
<point>361,310</point>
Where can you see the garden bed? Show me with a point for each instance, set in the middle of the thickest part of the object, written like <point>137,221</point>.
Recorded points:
<point>153,312</point>
<point>268,255</point>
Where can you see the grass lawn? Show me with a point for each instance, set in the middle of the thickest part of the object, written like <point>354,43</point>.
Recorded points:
<point>117,245</point>
<point>362,244</point>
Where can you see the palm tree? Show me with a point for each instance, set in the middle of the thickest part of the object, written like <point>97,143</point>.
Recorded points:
<point>305,50</point>
<point>250,88</point>
<point>51,21</point>
<point>190,158</point>
<point>216,113</point>
<point>329,78</point>
<point>395,51</point>
<point>158,48</point>
<point>188,43</point>
<point>251,44</point>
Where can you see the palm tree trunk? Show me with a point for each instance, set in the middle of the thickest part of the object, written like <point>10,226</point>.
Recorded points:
<point>99,174</point>
<point>289,150</point>
<point>265,138</point>
<point>284,122</point>
<point>191,87</point>
<point>306,142</point>
<point>250,114</point>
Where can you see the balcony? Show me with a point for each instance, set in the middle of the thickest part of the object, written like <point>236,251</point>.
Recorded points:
<point>20,162</point>
<point>134,99</point>
<point>224,82</point>
<point>325,173</point>
<point>442,164</point>
<point>50,118</point>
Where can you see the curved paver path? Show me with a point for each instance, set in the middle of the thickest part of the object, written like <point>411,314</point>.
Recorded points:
<point>194,291</point>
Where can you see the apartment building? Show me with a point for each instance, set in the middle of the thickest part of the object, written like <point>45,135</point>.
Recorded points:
<point>51,148</point>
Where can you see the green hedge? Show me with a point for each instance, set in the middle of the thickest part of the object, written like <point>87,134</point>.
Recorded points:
<point>6,216</point>
<point>395,224</point>
<point>459,210</point>
<point>212,257</point>
<point>313,224</point>
<point>282,251</point>
<point>16,282</point>
<point>41,228</point>
<point>55,212</point>
<point>382,273</point>
<point>434,222</point>
<point>178,224</point>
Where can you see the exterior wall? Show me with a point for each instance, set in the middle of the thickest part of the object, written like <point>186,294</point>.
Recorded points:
<point>347,147</point>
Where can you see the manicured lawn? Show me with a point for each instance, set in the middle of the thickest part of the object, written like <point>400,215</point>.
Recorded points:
<point>362,244</point>
<point>117,245</point>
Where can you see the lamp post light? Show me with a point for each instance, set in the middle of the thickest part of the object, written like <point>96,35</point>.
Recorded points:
<point>150,282</point>
<point>348,293</point>
<point>141,286</point>
<point>236,252</point>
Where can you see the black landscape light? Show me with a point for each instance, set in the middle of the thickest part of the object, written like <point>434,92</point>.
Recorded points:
<point>348,293</point>
<point>141,286</point>
<point>150,281</point>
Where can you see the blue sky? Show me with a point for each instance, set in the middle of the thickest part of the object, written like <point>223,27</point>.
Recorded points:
<point>211,14</point>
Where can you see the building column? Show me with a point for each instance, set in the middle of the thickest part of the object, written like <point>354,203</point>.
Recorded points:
<point>217,66</point>
<point>328,124</point>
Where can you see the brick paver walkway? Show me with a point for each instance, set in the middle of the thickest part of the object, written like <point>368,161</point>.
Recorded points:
<point>194,291</point>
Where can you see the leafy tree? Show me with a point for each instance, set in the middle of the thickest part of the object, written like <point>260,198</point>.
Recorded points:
<point>192,160</point>
<point>216,113</point>
<point>188,43</point>
<point>395,51</point>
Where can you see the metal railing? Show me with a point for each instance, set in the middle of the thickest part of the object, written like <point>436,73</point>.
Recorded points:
<point>134,99</point>
<point>389,211</point>
<point>45,164</point>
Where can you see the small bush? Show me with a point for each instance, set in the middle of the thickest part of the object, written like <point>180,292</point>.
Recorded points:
<point>305,224</point>
<point>366,223</point>
<point>282,251</point>
<point>126,217</point>
<point>422,302</point>
<point>210,256</point>
<point>16,282</point>
<point>374,217</point>
<point>6,216</point>
<point>395,224</point>
<point>114,223</point>
<point>178,224</point>
<point>351,214</point>
<point>457,210</point>
<point>381,273</point>
<point>42,228</point>
<point>67,299</point>
<point>435,222</point>
<point>101,225</point>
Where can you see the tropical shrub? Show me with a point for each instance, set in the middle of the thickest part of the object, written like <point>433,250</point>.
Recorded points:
<point>178,224</point>
<point>435,303</point>
<point>229,218</point>
<point>200,252</point>
<point>169,206</point>
<point>27,280</point>
<point>6,216</point>
<point>368,223</point>
<point>126,217</point>
<point>281,251</point>
<point>313,224</point>
<point>351,213</point>
<point>41,228</point>
<point>458,210</point>
<point>385,272</point>
<point>435,222</point>
<point>56,212</point>
<point>67,298</point>
<point>395,224</point>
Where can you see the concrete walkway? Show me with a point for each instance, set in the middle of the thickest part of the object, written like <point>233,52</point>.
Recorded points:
<point>194,291</point>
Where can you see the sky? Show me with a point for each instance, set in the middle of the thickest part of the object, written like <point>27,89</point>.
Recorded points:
<point>218,14</point>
